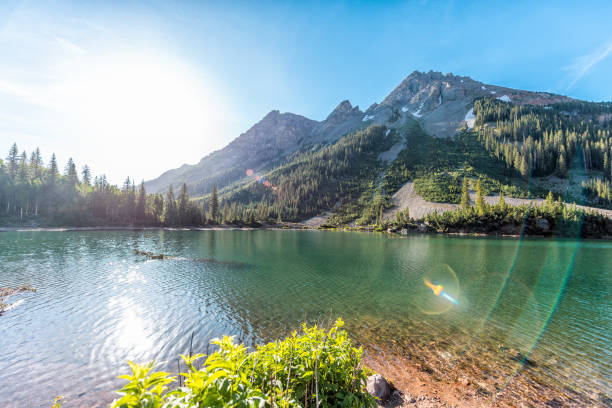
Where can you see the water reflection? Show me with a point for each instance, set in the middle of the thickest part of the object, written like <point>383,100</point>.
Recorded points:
<point>98,305</point>
<point>132,333</point>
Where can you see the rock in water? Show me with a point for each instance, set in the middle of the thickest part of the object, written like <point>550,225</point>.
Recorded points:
<point>378,387</point>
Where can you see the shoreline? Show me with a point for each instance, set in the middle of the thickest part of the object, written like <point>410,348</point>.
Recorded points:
<point>293,227</point>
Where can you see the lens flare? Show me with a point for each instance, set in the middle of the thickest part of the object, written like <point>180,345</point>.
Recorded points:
<point>442,280</point>
<point>249,172</point>
<point>438,290</point>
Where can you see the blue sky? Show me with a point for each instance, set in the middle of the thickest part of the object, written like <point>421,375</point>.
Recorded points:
<point>138,87</point>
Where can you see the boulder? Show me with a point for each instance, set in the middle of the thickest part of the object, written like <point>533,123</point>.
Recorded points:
<point>423,228</point>
<point>543,225</point>
<point>378,387</point>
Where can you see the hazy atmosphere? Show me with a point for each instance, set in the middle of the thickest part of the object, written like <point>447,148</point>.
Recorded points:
<point>102,83</point>
<point>371,204</point>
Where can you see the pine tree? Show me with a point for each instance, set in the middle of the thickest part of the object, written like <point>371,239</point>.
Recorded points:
<point>204,220</point>
<point>480,203</point>
<point>142,203</point>
<point>170,214</point>
<point>524,169</point>
<point>214,205</point>
<point>53,170</point>
<point>70,172</point>
<point>23,168</point>
<point>12,161</point>
<point>465,194</point>
<point>562,166</point>
<point>86,175</point>
<point>225,213</point>
<point>36,164</point>
<point>550,201</point>
<point>158,207</point>
<point>502,202</point>
<point>183,205</point>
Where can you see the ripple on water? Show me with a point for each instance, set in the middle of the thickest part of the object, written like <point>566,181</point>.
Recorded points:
<point>99,305</point>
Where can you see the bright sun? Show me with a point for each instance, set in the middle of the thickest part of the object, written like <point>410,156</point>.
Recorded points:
<point>142,104</point>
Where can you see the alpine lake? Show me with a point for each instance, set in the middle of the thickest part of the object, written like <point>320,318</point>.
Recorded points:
<point>528,320</point>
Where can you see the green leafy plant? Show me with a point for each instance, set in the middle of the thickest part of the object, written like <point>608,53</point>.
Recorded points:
<point>144,388</point>
<point>317,368</point>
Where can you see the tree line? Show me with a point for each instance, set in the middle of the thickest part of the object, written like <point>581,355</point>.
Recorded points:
<point>543,140</point>
<point>33,192</point>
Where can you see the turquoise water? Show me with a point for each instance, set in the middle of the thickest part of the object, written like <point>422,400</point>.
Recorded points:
<point>98,304</point>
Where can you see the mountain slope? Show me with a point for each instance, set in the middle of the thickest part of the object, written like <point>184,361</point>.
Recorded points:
<point>501,135</point>
<point>439,102</point>
<point>260,148</point>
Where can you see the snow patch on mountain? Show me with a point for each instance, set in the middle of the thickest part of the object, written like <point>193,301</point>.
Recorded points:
<point>504,98</point>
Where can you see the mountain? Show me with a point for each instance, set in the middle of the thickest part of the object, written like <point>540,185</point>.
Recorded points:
<point>439,102</point>
<point>260,148</point>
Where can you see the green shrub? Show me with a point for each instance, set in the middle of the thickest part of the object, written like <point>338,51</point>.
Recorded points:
<point>317,368</point>
<point>439,188</point>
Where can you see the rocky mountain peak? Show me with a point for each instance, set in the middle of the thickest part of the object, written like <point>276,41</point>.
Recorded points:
<point>440,102</point>
<point>344,106</point>
<point>343,110</point>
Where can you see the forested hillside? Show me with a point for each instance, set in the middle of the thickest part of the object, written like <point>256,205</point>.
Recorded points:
<point>316,180</point>
<point>289,168</point>
<point>542,141</point>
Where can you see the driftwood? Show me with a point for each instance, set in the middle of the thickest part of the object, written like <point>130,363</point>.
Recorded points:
<point>6,292</point>
<point>152,255</point>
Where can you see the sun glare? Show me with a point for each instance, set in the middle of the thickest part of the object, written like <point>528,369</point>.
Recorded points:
<point>145,103</point>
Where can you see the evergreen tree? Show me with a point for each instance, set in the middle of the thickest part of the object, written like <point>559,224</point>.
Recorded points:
<point>12,161</point>
<point>23,168</point>
<point>170,211</point>
<point>561,166</point>
<point>158,207</point>
<point>86,175</point>
<point>203,219</point>
<point>502,202</point>
<point>214,205</point>
<point>36,163</point>
<point>465,194</point>
<point>480,203</point>
<point>550,201</point>
<point>524,169</point>
<point>225,213</point>
<point>183,206</point>
<point>142,204</point>
<point>70,172</point>
<point>53,169</point>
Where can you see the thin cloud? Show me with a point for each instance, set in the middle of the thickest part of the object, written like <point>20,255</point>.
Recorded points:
<point>24,94</point>
<point>68,45</point>
<point>582,65</point>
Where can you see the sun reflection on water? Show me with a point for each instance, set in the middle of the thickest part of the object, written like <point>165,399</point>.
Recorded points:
<point>131,330</point>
